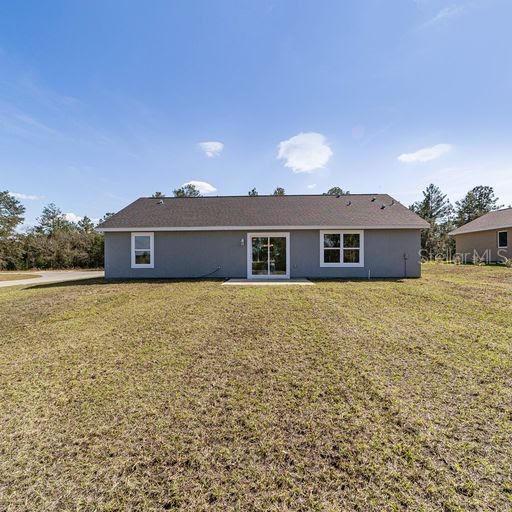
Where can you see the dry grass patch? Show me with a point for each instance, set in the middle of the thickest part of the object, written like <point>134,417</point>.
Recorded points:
<point>192,396</point>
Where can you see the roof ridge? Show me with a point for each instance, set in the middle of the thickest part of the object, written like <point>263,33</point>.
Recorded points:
<point>267,195</point>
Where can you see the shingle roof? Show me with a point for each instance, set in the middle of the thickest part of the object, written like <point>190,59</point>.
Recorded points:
<point>230,212</point>
<point>499,219</point>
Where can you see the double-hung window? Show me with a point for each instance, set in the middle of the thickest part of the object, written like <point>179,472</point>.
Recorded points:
<point>502,239</point>
<point>341,248</point>
<point>143,254</point>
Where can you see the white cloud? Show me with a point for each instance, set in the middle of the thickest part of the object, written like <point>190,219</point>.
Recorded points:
<point>425,154</point>
<point>313,185</point>
<point>445,14</point>
<point>456,181</point>
<point>73,217</point>
<point>26,197</point>
<point>212,148</point>
<point>305,152</point>
<point>202,186</point>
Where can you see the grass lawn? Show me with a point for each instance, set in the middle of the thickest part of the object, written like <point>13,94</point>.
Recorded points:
<point>193,396</point>
<point>13,276</point>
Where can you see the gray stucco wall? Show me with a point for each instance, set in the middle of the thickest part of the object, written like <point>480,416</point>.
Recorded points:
<point>383,255</point>
<point>196,253</point>
<point>179,254</point>
<point>481,242</point>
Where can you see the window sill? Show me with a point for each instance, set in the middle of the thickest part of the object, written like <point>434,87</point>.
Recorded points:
<point>341,265</point>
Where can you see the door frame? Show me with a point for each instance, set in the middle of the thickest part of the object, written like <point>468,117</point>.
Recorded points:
<point>257,234</point>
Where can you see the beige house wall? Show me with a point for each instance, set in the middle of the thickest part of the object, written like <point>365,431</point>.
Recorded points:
<point>484,244</point>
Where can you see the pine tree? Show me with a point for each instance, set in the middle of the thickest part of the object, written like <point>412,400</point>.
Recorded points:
<point>11,214</point>
<point>477,202</point>
<point>188,190</point>
<point>437,210</point>
<point>336,191</point>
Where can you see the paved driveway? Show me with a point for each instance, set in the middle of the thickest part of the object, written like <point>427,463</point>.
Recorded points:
<point>55,276</point>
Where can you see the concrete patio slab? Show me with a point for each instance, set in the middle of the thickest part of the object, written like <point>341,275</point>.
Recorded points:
<point>267,282</point>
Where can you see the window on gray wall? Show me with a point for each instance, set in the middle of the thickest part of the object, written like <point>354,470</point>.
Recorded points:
<point>341,248</point>
<point>143,250</point>
<point>502,239</point>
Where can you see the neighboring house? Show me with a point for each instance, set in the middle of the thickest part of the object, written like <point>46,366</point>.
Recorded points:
<point>265,237</point>
<point>488,238</point>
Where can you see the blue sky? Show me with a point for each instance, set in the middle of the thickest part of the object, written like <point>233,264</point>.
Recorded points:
<point>102,102</point>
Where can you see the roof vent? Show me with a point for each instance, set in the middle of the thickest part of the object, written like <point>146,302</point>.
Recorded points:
<point>392,202</point>
<point>161,201</point>
<point>373,199</point>
<point>349,203</point>
<point>382,206</point>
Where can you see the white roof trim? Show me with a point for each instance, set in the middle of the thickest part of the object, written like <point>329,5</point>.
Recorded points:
<point>246,228</point>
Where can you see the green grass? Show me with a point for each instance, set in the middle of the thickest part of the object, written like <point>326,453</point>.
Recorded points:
<point>13,276</point>
<point>192,396</point>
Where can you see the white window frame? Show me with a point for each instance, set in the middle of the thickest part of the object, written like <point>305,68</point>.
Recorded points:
<point>502,246</point>
<point>151,249</point>
<point>341,233</point>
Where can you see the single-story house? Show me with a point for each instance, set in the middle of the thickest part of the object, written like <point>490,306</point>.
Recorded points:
<point>486,238</point>
<point>264,237</point>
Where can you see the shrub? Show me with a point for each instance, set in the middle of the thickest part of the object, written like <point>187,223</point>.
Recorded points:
<point>457,259</point>
<point>478,260</point>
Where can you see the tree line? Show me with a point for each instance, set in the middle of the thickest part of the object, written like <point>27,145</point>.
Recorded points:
<point>56,242</point>
<point>191,190</point>
<point>443,216</point>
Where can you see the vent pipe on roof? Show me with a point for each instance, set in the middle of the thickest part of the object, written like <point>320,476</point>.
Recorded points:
<point>160,202</point>
<point>349,203</point>
<point>373,199</point>
<point>382,206</point>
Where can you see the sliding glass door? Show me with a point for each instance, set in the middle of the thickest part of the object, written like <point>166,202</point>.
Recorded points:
<point>268,255</point>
